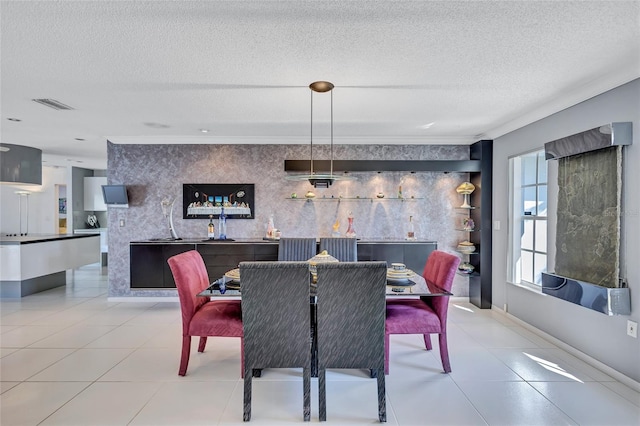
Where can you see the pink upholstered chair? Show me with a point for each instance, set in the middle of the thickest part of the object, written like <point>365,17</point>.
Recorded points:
<point>427,315</point>
<point>200,315</point>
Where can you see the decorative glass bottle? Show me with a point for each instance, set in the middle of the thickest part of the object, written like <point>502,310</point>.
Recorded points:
<point>411,234</point>
<point>222,225</point>
<point>271,228</point>
<point>351,231</point>
<point>211,230</point>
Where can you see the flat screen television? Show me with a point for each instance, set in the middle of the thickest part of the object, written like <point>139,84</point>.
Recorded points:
<point>115,195</point>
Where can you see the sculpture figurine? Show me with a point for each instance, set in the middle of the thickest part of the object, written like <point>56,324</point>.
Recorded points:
<point>336,229</point>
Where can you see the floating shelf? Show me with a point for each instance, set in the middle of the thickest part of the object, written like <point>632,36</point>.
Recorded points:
<point>466,252</point>
<point>384,165</point>
<point>473,274</point>
<point>354,199</point>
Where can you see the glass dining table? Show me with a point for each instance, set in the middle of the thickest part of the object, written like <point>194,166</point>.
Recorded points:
<point>415,287</point>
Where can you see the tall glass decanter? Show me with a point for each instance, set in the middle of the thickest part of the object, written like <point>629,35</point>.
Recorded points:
<point>222,225</point>
<point>351,231</point>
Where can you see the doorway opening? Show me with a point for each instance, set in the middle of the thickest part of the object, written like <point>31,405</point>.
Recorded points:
<point>61,209</point>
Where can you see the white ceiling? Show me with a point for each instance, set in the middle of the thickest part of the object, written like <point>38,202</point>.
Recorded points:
<point>241,69</point>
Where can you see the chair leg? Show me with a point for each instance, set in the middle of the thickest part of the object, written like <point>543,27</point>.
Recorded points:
<point>247,395</point>
<point>322,394</point>
<point>306,393</point>
<point>202,344</point>
<point>386,353</point>
<point>382,397</point>
<point>427,341</point>
<point>242,358</point>
<point>444,352</point>
<point>314,341</point>
<point>184,358</point>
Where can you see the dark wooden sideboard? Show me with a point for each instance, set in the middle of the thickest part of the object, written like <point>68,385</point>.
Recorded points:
<point>149,268</point>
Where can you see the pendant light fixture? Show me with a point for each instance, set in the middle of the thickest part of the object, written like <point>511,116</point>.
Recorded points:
<point>319,180</point>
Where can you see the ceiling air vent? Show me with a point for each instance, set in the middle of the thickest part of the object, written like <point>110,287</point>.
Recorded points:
<point>52,103</point>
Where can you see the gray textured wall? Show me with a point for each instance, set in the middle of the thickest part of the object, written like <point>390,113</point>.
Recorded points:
<point>599,336</point>
<point>153,172</point>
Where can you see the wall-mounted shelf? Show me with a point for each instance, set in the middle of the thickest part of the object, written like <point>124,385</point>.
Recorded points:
<point>473,274</point>
<point>372,199</point>
<point>303,166</point>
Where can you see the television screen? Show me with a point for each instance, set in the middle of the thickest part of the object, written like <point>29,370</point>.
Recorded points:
<point>115,195</point>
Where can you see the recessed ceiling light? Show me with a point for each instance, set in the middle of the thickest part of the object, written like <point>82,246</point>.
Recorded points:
<point>157,125</point>
<point>204,130</point>
<point>13,119</point>
<point>52,103</point>
<point>4,149</point>
<point>426,126</point>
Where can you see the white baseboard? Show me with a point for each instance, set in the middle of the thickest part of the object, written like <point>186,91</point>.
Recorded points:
<point>573,351</point>
<point>144,299</point>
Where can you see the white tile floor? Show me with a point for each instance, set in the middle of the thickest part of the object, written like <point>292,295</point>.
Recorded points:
<point>70,357</point>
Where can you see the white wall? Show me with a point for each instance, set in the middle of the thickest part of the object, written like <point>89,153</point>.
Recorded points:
<point>43,204</point>
<point>597,335</point>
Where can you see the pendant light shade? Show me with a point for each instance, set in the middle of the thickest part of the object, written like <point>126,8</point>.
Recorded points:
<point>319,180</point>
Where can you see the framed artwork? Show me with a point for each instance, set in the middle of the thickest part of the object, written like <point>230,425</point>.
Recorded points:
<point>202,200</point>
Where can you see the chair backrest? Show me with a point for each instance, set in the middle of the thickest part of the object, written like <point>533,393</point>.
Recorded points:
<point>276,314</point>
<point>342,248</point>
<point>439,271</point>
<point>351,314</point>
<point>296,249</point>
<point>190,275</point>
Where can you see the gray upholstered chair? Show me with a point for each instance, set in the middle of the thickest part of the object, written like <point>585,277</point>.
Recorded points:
<point>276,322</point>
<point>351,315</point>
<point>342,248</point>
<point>296,249</point>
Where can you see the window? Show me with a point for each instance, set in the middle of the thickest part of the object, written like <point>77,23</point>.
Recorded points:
<point>528,216</point>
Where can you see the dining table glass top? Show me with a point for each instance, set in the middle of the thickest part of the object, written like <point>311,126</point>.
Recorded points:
<point>414,287</point>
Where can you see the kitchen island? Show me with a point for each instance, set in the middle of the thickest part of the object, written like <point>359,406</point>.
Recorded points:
<point>149,268</point>
<point>38,262</point>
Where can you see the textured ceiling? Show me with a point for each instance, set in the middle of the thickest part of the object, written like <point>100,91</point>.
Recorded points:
<point>158,72</point>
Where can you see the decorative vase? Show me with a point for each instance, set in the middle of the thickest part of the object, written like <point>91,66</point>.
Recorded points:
<point>351,231</point>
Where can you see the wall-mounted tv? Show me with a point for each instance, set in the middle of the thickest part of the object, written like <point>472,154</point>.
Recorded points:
<point>115,195</point>
<point>202,200</point>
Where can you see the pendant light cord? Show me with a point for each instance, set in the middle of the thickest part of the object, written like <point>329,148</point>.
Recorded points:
<point>311,133</point>
<point>331,171</point>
